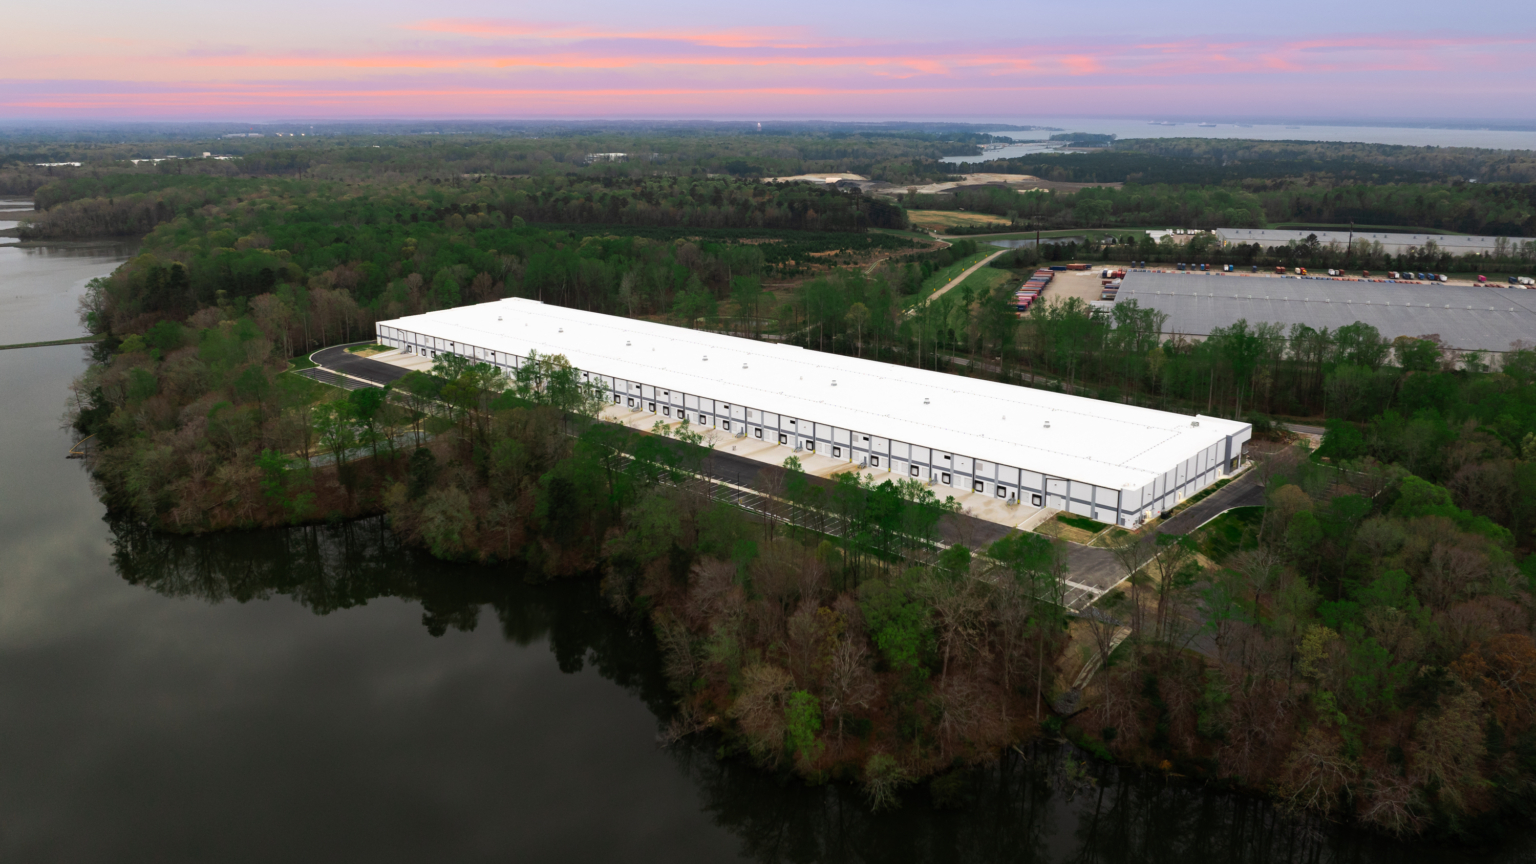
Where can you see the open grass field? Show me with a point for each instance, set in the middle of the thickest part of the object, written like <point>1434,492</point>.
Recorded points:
<point>941,219</point>
<point>941,278</point>
<point>983,280</point>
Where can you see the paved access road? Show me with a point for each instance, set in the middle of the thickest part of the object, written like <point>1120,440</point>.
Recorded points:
<point>1097,568</point>
<point>1245,491</point>
<point>337,359</point>
<point>962,277</point>
<point>1091,570</point>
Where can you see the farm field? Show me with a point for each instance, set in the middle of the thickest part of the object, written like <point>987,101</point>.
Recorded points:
<point>941,219</point>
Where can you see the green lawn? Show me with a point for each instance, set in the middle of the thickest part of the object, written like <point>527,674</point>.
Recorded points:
<point>941,278</point>
<point>1230,532</point>
<point>984,280</point>
<point>1081,522</point>
<point>302,363</point>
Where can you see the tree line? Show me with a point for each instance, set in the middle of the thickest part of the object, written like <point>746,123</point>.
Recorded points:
<point>136,204</point>
<point>1502,209</point>
<point>1259,164</point>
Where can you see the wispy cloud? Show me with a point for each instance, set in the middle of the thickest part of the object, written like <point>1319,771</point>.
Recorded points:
<point>735,37</point>
<point>474,65</point>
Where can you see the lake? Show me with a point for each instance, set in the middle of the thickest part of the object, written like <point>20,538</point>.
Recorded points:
<point>322,694</point>
<point>1151,127</point>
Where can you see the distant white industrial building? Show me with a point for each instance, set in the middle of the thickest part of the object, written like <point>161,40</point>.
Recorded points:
<point>1467,317</point>
<point>1111,462</point>
<point>1394,244</point>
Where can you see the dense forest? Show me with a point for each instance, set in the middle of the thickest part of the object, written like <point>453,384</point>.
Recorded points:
<point>1221,161</point>
<point>1501,209</point>
<point>135,204</point>
<point>702,181</point>
<point>895,152</point>
<point>1360,646</point>
<point>1361,641</point>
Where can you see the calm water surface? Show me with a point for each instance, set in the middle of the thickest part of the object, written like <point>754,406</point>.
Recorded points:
<point>1413,136</point>
<point>320,694</point>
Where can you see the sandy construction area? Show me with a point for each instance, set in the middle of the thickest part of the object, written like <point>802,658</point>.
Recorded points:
<point>830,177</point>
<point>1018,181</point>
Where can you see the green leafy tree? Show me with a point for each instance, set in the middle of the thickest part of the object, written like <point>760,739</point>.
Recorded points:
<point>802,722</point>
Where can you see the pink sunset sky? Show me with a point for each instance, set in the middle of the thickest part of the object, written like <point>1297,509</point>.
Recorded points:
<point>288,59</point>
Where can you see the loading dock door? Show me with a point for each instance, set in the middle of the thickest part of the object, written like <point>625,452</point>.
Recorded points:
<point>1056,494</point>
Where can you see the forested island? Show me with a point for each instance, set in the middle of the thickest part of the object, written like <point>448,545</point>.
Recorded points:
<point>1360,646</point>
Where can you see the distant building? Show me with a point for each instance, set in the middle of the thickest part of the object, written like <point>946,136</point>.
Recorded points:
<point>607,157</point>
<point>1392,244</point>
<point>1483,318</point>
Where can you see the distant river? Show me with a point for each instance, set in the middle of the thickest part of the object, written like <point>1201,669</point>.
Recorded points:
<point>1151,127</point>
<point>321,694</point>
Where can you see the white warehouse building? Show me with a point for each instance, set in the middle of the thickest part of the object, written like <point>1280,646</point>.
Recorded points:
<point>1110,462</point>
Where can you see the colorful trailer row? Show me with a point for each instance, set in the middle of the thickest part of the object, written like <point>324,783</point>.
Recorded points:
<point>1031,290</point>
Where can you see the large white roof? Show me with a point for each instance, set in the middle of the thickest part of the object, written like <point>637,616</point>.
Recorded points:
<point>1103,443</point>
<point>1454,243</point>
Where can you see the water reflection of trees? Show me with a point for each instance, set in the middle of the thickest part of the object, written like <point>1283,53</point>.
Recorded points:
<point>326,568</point>
<point>1019,809</point>
<point>1028,809</point>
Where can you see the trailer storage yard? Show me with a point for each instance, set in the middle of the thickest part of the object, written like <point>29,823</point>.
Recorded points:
<point>1483,318</point>
<point>1023,448</point>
